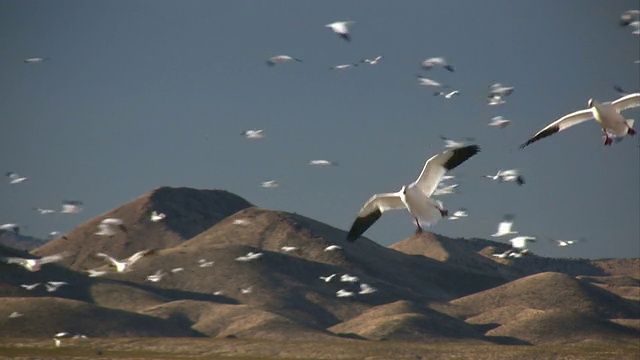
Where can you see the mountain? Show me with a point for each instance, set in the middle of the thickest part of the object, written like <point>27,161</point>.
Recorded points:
<point>429,288</point>
<point>17,241</point>
<point>188,212</point>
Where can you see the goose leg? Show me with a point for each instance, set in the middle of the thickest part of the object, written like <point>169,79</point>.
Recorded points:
<point>418,227</point>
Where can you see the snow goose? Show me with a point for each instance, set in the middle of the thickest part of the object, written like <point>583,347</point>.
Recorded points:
<point>125,265</point>
<point>341,28</point>
<point>430,63</point>
<point>415,197</point>
<point>279,59</point>
<point>504,227</point>
<point>607,114</point>
<point>35,264</point>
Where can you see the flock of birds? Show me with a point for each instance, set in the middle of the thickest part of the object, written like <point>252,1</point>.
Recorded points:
<point>416,197</point>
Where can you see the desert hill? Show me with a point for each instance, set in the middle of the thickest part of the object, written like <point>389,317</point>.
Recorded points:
<point>18,241</point>
<point>44,317</point>
<point>428,287</point>
<point>188,212</point>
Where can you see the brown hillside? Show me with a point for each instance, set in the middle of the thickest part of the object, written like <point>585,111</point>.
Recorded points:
<point>17,241</point>
<point>242,321</point>
<point>562,326</point>
<point>44,317</point>
<point>405,321</point>
<point>624,286</point>
<point>189,212</point>
<point>548,291</point>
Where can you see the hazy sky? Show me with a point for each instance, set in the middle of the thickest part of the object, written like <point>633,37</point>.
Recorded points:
<point>141,94</point>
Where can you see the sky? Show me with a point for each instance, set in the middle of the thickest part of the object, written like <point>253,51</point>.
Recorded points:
<point>140,94</point>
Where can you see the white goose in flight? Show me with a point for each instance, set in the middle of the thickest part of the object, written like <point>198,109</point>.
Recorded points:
<point>607,114</point>
<point>125,264</point>
<point>341,28</point>
<point>415,197</point>
<point>278,59</point>
<point>34,265</point>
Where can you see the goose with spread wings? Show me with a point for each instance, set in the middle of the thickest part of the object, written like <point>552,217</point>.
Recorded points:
<point>607,114</point>
<point>415,197</point>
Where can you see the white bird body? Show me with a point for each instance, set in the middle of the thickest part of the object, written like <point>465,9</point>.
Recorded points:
<point>504,228</point>
<point>520,242</point>
<point>366,289</point>
<point>10,227</point>
<point>279,59</point>
<point>494,100</point>
<point>30,286</point>
<point>177,270</point>
<point>125,265</point>
<point>428,82</point>
<point>254,134</point>
<point>445,190</point>
<point>36,264</point>
<point>96,273</point>
<point>15,314</point>
<point>270,184</point>
<point>344,293</point>
<point>247,290</point>
<point>332,247</point>
<point>242,222</point>
<point>459,214</point>
<point>372,61</point>
<point>322,163</point>
<point>328,278</point>
<point>14,178</point>
<point>607,114</point>
<point>343,66</point>
<point>452,144</point>
<point>54,285</point>
<point>341,28</point>
<point>206,264</point>
<point>500,90</point>
<point>34,60</point>
<point>349,278</point>
<point>415,197</point>
<point>109,227</point>
<point>44,211</point>
<point>71,207</point>
<point>430,63</point>
<point>249,257</point>
<point>155,216</point>
<point>499,121</point>
<point>157,276</point>
<point>448,95</point>
<point>288,248</point>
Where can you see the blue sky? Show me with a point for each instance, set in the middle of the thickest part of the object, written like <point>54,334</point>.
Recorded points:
<point>141,94</point>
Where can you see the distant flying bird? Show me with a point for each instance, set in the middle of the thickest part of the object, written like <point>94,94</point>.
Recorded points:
<point>511,175</point>
<point>448,95</point>
<point>450,144</point>
<point>345,293</point>
<point>620,90</point>
<point>242,222</point>
<point>332,247</point>
<point>177,270</point>
<point>279,59</point>
<point>44,211</point>
<point>366,289</point>
<point>328,278</point>
<point>343,66</point>
<point>109,227</point>
<point>607,114</point>
<point>205,264</point>
<point>459,214</point>
<point>504,227</point>
<point>247,290</point>
<point>323,163</point>
<point>35,264</point>
<point>125,265</point>
<point>271,184</point>
<point>35,60</point>
<point>249,257</point>
<point>499,121</point>
<point>155,216</point>
<point>15,314</point>
<point>494,100</point>
<point>349,278</point>
<point>341,28</point>
<point>14,178</point>
<point>565,243</point>
<point>415,197</point>
<point>55,235</point>
<point>54,285</point>
<point>520,242</point>
<point>428,82</point>
<point>218,293</point>
<point>288,248</point>
<point>372,61</point>
<point>157,276</point>
<point>254,134</point>
<point>500,90</point>
<point>629,17</point>
<point>30,287</point>
<point>96,273</point>
<point>430,63</point>
<point>15,228</point>
<point>71,207</point>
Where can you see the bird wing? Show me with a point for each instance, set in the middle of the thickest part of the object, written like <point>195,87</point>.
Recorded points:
<point>139,255</point>
<point>435,168</point>
<point>371,212</point>
<point>564,122</point>
<point>107,258</point>
<point>627,102</point>
<point>53,258</point>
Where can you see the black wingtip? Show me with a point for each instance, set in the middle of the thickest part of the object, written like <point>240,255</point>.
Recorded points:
<point>461,155</point>
<point>520,180</point>
<point>361,224</point>
<point>449,67</point>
